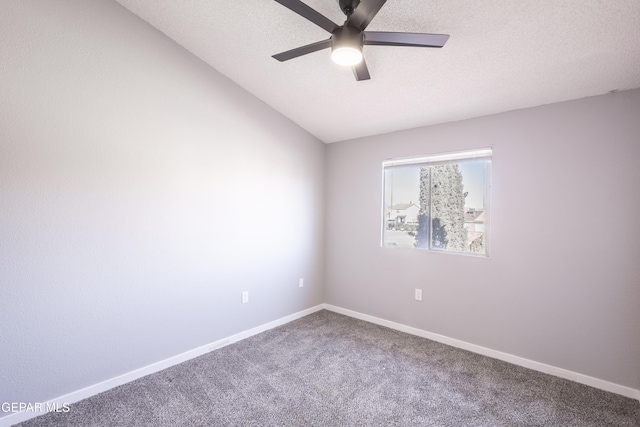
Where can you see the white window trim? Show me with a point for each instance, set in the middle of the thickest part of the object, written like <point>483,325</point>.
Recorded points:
<point>439,159</point>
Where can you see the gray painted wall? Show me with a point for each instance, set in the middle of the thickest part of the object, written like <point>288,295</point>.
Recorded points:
<point>562,284</point>
<point>140,193</point>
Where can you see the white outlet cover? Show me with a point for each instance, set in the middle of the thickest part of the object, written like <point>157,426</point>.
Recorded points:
<point>301,282</point>
<point>245,297</point>
<point>418,294</point>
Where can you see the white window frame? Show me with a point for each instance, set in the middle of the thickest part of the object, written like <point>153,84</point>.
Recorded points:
<point>442,159</point>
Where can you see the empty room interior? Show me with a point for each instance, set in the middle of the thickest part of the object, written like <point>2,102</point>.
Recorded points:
<point>319,212</point>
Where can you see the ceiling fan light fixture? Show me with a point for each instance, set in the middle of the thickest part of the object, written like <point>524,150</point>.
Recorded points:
<point>346,56</point>
<point>346,46</point>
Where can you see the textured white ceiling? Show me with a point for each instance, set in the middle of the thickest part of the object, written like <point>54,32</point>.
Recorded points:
<point>502,55</point>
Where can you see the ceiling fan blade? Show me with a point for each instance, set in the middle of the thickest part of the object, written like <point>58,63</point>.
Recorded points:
<point>302,50</point>
<point>381,38</point>
<point>306,12</point>
<point>364,13</point>
<point>361,71</point>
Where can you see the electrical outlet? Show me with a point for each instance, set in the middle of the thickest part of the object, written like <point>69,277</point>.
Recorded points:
<point>418,294</point>
<point>301,282</point>
<point>245,297</point>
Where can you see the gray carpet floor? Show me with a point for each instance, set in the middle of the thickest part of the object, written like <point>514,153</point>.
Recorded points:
<point>331,370</point>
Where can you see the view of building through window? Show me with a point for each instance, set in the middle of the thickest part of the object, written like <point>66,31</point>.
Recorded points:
<point>438,202</point>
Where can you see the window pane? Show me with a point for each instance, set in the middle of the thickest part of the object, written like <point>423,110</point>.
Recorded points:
<point>401,205</point>
<point>447,208</point>
<point>458,193</point>
<point>475,176</point>
<point>439,206</point>
<point>424,225</point>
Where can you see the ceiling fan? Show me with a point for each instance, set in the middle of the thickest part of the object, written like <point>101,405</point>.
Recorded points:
<point>346,40</point>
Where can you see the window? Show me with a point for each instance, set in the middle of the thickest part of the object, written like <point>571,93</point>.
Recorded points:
<point>439,202</point>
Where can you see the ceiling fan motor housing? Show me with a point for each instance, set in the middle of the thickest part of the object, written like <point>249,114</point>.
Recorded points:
<point>347,36</point>
<point>346,45</point>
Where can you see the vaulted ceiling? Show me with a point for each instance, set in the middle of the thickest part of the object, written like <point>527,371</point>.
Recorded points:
<point>502,55</point>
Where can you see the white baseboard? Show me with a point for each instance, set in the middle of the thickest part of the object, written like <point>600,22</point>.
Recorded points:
<point>516,360</point>
<point>58,402</point>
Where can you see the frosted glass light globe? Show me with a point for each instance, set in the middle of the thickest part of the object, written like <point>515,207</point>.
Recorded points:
<point>346,56</point>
